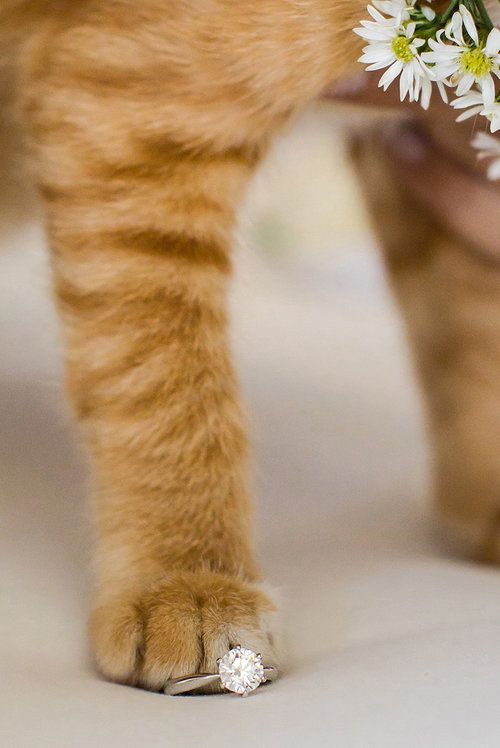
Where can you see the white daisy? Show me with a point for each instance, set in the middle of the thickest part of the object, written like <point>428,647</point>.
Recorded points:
<point>466,62</point>
<point>476,102</point>
<point>488,147</point>
<point>395,47</point>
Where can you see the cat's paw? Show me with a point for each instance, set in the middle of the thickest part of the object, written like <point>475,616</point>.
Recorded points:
<point>179,627</point>
<point>475,536</point>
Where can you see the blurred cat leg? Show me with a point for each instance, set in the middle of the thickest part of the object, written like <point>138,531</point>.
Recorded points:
<point>448,289</point>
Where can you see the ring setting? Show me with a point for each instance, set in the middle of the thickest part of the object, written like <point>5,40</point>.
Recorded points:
<point>241,671</point>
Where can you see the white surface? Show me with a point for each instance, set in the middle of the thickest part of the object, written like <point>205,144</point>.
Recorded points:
<point>391,642</point>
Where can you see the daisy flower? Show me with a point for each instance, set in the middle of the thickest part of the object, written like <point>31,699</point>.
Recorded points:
<point>466,62</point>
<point>476,102</point>
<point>489,147</point>
<point>393,45</point>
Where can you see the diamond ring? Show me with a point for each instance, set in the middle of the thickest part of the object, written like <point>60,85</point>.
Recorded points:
<point>240,671</point>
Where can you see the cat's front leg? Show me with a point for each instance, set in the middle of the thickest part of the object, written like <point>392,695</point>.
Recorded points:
<point>140,230</point>
<point>141,283</point>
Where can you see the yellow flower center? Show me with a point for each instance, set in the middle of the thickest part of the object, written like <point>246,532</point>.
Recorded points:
<point>401,48</point>
<point>475,62</point>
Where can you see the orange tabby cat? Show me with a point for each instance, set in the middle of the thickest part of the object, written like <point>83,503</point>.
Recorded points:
<point>147,119</point>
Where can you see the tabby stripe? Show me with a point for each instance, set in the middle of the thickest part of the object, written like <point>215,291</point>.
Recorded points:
<point>171,245</point>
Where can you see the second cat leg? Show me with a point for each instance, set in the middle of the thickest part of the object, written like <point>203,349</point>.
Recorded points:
<point>449,294</point>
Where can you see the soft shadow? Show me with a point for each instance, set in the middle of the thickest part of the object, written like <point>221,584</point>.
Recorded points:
<point>44,514</point>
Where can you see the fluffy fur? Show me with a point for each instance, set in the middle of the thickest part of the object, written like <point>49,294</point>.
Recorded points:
<point>145,120</point>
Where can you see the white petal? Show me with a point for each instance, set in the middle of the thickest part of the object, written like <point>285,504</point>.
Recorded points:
<point>428,56</point>
<point>487,89</point>
<point>379,65</point>
<point>472,99</point>
<point>376,55</point>
<point>427,12</point>
<point>381,44</point>
<point>375,14</point>
<point>442,53</point>
<point>379,18</point>
<point>405,82</point>
<point>442,91</point>
<point>495,124</point>
<point>465,84</point>
<point>493,42</point>
<point>469,113</point>
<point>380,28</point>
<point>391,8</point>
<point>442,72</point>
<point>454,29</point>
<point>390,74</point>
<point>410,29</point>
<point>469,24</point>
<point>376,32</point>
<point>425,97</point>
<point>433,44</point>
<point>370,35</point>
<point>383,5</point>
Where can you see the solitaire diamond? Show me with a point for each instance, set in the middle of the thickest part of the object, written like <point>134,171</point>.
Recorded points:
<point>241,670</point>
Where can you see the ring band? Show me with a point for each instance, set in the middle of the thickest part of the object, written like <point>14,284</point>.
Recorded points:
<point>187,683</point>
<point>240,670</point>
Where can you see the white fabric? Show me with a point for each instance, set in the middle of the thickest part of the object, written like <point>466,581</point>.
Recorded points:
<point>391,641</point>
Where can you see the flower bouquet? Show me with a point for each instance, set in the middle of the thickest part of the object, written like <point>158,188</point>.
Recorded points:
<point>456,50</point>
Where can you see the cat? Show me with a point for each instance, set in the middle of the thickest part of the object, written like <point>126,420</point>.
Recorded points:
<point>145,121</point>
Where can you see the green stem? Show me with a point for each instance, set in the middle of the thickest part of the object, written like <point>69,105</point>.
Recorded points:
<point>449,11</point>
<point>484,14</point>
